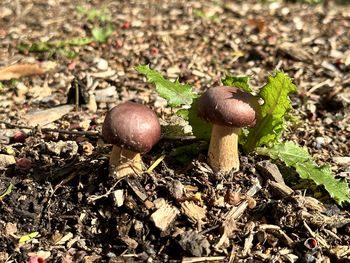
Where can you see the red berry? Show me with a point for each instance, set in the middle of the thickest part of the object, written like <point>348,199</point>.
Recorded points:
<point>126,25</point>
<point>19,136</point>
<point>24,163</point>
<point>36,259</point>
<point>310,243</point>
<point>154,51</point>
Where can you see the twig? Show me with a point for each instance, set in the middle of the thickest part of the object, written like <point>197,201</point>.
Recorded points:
<point>93,198</point>
<point>202,259</point>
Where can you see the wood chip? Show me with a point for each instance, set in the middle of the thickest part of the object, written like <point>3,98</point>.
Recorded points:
<point>202,259</point>
<point>194,212</point>
<point>44,117</point>
<point>138,189</point>
<point>164,217</point>
<point>20,70</point>
<point>279,190</point>
<point>270,171</point>
<point>6,160</point>
<point>295,51</point>
<point>118,196</point>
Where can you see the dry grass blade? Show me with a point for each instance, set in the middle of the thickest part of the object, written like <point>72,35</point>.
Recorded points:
<point>20,70</point>
<point>202,259</point>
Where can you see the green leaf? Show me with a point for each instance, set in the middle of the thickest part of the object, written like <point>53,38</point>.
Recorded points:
<point>94,13</point>
<point>297,157</point>
<point>28,237</point>
<point>101,34</point>
<point>56,46</point>
<point>183,113</point>
<point>204,15</point>
<point>276,105</point>
<point>238,82</point>
<point>175,93</point>
<point>80,41</point>
<point>7,191</point>
<point>40,47</point>
<point>70,54</point>
<point>200,128</point>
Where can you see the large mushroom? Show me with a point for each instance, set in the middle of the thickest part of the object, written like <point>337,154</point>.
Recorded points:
<point>133,129</point>
<point>229,109</point>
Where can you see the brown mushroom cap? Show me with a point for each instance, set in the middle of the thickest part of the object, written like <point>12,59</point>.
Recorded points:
<point>229,106</point>
<point>133,126</point>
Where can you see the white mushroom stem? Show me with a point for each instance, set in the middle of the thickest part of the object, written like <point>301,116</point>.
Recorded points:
<point>124,162</point>
<point>223,149</point>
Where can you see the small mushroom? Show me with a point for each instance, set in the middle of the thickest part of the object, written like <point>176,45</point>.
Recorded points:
<point>133,129</point>
<point>229,109</point>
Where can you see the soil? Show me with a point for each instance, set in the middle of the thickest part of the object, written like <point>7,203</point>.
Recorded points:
<point>70,209</point>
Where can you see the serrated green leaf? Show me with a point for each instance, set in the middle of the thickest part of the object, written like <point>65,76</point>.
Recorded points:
<point>297,157</point>
<point>276,104</point>
<point>175,93</point>
<point>200,128</point>
<point>238,82</point>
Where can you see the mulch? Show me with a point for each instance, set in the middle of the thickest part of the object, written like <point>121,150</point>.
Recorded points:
<point>70,209</point>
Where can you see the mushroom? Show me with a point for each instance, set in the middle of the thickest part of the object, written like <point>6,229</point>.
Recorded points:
<point>133,129</point>
<point>229,109</point>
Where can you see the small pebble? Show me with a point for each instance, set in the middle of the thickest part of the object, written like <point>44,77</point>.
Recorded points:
<point>319,142</point>
<point>101,63</point>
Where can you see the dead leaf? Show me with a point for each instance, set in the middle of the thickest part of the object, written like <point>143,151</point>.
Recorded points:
<point>20,70</point>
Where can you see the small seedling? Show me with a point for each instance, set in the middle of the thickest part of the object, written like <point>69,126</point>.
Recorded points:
<point>94,14</point>
<point>101,34</point>
<point>62,47</point>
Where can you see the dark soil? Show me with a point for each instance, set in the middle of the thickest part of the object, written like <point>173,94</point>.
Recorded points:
<point>61,184</point>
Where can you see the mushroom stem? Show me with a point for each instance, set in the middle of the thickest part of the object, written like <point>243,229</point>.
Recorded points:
<point>124,162</point>
<point>223,149</point>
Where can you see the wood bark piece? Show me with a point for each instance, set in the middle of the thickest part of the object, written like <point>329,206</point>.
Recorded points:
<point>137,188</point>
<point>6,160</point>
<point>44,117</point>
<point>20,70</point>
<point>164,217</point>
<point>295,51</point>
<point>270,171</point>
<point>280,190</point>
<point>203,259</point>
<point>194,212</point>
